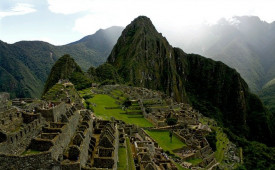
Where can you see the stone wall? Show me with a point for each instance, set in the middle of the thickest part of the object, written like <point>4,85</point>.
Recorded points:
<point>10,119</point>
<point>85,144</point>
<point>54,113</point>
<point>64,138</point>
<point>4,97</point>
<point>56,137</point>
<point>40,161</point>
<point>145,136</point>
<point>107,150</point>
<point>17,141</point>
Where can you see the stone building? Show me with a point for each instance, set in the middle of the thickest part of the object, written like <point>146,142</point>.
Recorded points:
<point>106,151</point>
<point>55,137</point>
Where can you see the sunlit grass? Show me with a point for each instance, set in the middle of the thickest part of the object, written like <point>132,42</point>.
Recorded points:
<point>222,142</point>
<point>122,155</point>
<point>30,151</point>
<point>194,161</point>
<point>163,139</point>
<point>131,164</point>
<point>102,101</point>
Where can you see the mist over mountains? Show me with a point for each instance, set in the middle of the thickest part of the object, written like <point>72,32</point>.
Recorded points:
<point>244,43</point>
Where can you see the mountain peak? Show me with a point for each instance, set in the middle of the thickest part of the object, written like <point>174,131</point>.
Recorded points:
<point>142,19</point>
<point>141,22</point>
<point>143,57</point>
<point>62,69</point>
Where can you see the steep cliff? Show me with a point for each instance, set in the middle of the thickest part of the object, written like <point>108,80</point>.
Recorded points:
<point>144,58</point>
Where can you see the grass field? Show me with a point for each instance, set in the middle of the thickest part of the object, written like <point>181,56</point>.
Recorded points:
<point>222,142</point>
<point>29,151</point>
<point>103,100</point>
<point>122,155</point>
<point>195,161</point>
<point>131,164</point>
<point>163,139</point>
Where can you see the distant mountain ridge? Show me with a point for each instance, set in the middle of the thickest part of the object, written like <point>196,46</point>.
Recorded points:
<point>25,65</point>
<point>245,43</point>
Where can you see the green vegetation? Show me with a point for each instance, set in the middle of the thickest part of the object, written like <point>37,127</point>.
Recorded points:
<point>30,151</point>
<point>80,80</point>
<point>221,144</point>
<point>92,74</point>
<point>122,155</point>
<point>59,93</point>
<point>131,164</point>
<point>25,65</point>
<point>162,138</point>
<point>194,161</point>
<point>102,101</point>
<point>217,139</point>
<point>171,121</point>
<point>212,140</point>
<point>66,68</point>
<point>105,74</point>
<point>179,167</point>
<point>119,95</point>
<point>212,87</point>
<point>256,155</point>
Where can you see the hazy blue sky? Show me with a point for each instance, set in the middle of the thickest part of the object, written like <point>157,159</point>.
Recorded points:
<point>63,21</point>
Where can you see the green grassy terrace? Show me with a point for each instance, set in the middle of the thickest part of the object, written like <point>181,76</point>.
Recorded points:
<point>194,161</point>
<point>102,101</point>
<point>131,164</point>
<point>122,155</point>
<point>29,151</point>
<point>163,139</point>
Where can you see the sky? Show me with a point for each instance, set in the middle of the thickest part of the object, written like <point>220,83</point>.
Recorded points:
<point>63,21</point>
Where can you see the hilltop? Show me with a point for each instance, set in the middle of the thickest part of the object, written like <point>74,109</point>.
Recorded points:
<point>25,65</point>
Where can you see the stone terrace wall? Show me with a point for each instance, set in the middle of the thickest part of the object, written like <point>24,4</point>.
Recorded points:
<point>18,141</point>
<point>85,144</point>
<point>10,117</point>
<point>53,114</point>
<point>64,138</point>
<point>36,161</point>
<point>4,97</point>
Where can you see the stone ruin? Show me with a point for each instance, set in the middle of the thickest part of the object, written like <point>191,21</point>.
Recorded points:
<point>48,135</point>
<point>63,135</point>
<point>157,107</point>
<point>148,155</point>
<point>16,129</point>
<point>49,138</point>
<point>106,151</point>
<point>4,98</point>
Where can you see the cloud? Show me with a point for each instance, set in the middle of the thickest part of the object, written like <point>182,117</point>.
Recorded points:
<point>69,6</point>
<point>166,14</point>
<point>18,9</point>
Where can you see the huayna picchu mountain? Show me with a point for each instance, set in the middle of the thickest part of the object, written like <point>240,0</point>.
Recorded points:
<point>66,68</point>
<point>143,57</point>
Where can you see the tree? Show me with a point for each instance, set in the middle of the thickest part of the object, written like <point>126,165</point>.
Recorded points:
<point>171,121</point>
